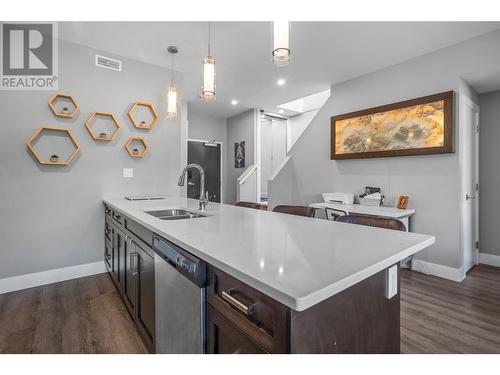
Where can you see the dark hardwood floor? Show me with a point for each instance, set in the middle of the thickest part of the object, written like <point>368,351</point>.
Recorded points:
<point>84,315</point>
<point>87,316</point>
<point>442,316</point>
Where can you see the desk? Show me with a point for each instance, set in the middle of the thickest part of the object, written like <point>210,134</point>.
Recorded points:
<point>390,212</point>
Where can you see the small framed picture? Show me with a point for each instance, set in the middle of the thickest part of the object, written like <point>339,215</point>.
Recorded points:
<point>403,201</point>
<point>239,154</point>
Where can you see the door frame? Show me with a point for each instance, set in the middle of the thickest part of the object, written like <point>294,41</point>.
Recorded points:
<point>258,147</point>
<point>465,181</point>
<point>220,162</point>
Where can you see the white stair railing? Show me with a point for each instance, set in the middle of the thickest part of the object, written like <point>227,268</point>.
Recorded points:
<point>247,185</point>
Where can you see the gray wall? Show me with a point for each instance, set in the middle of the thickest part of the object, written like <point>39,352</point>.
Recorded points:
<point>432,182</point>
<point>208,128</point>
<point>239,128</point>
<point>489,172</point>
<point>52,217</point>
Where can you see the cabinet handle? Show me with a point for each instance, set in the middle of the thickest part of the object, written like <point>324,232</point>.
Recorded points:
<point>108,210</point>
<point>116,217</point>
<point>247,310</point>
<point>134,256</point>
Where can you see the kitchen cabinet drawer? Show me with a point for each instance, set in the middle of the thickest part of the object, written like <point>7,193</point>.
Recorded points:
<point>225,338</point>
<point>139,231</point>
<point>257,315</point>
<point>118,217</point>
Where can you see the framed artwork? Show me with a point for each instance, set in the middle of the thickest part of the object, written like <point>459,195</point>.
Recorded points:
<point>403,202</point>
<point>419,126</point>
<point>239,154</point>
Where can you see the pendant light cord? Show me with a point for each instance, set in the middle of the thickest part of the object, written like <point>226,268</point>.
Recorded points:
<point>172,71</point>
<point>208,38</point>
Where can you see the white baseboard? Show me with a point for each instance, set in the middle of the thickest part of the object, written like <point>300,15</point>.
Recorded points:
<point>31,280</point>
<point>434,269</point>
<point>490,259</point>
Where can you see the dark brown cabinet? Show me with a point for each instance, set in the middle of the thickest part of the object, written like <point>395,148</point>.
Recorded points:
<point>360,319</point>
<point>145,308</point>
<point>115,261</point>
<point>223,337</point>
<point>108,255</point>
<point>130,263</point>
<point>259,317</point>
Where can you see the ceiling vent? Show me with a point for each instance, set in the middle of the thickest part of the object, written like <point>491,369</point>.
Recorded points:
<point>106,62</point>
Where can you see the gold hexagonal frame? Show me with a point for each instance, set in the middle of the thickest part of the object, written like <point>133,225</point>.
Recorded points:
<point>88,125</point>
<point>56,97</point>
<point>131,152</point>
<point>38,133</point>
<point>143,125</point>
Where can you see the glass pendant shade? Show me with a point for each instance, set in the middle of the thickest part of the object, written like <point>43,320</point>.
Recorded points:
<point>172,102</point>
<point>281,47</point>
<point>208,90</point>
<point>172,92</point>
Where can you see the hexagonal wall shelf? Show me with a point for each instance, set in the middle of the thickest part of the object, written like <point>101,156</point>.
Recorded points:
<point>134,151</point>
<point>102,136</point>
<point>66,112</point>
<point>143,124</point>
<point>54,159</point>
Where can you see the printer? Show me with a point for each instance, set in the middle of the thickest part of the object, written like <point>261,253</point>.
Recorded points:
<point>343,198</point>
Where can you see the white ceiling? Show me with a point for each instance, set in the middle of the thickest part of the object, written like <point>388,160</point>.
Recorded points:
<point>322,53</point>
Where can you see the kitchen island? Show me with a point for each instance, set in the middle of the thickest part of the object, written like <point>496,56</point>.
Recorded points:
<point>315,286</point>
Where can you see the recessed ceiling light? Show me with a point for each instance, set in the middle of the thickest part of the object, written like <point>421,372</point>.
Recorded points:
<point>234,102</point>
<point>281,82</point>
<point>281,111</point>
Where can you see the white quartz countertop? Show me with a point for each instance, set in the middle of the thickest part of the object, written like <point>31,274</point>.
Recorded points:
<point>296,260</point>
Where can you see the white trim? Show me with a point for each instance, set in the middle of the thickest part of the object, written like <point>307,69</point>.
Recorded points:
<point>257,150</point>
<point>434,269</point>
<point>465,181</point>
<point>490,259</point>
<point>221,164</point>
<point>31,280</point>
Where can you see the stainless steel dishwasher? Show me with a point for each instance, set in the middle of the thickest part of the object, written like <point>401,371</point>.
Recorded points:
<point>180,280</point>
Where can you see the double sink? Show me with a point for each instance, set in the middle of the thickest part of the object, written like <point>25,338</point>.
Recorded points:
<point>174,214</point>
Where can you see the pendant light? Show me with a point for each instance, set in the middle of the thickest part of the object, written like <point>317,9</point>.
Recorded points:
<point>172,89</point>
<point>208,89</point>
<point>281,40</point>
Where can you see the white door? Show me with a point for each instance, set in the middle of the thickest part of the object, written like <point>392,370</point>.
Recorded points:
<point>469,135</point>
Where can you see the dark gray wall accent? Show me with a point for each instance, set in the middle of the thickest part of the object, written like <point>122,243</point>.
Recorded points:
<point>239,128</point>
<point>489,172</point>
<point>51,217</point>
<point>203,127</point>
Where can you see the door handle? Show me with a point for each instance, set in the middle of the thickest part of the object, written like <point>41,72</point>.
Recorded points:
<point>191,183</point>
<point>134,257</point>
<point>467,197</point>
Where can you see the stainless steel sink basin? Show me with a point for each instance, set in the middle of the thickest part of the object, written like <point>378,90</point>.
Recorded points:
<point>174,214</point>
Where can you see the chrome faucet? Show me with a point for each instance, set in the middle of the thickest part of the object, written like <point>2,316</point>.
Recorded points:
<point>203,194</point>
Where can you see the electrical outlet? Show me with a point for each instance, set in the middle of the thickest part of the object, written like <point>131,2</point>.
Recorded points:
<point>391,282</point>
<point>128,172</point>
